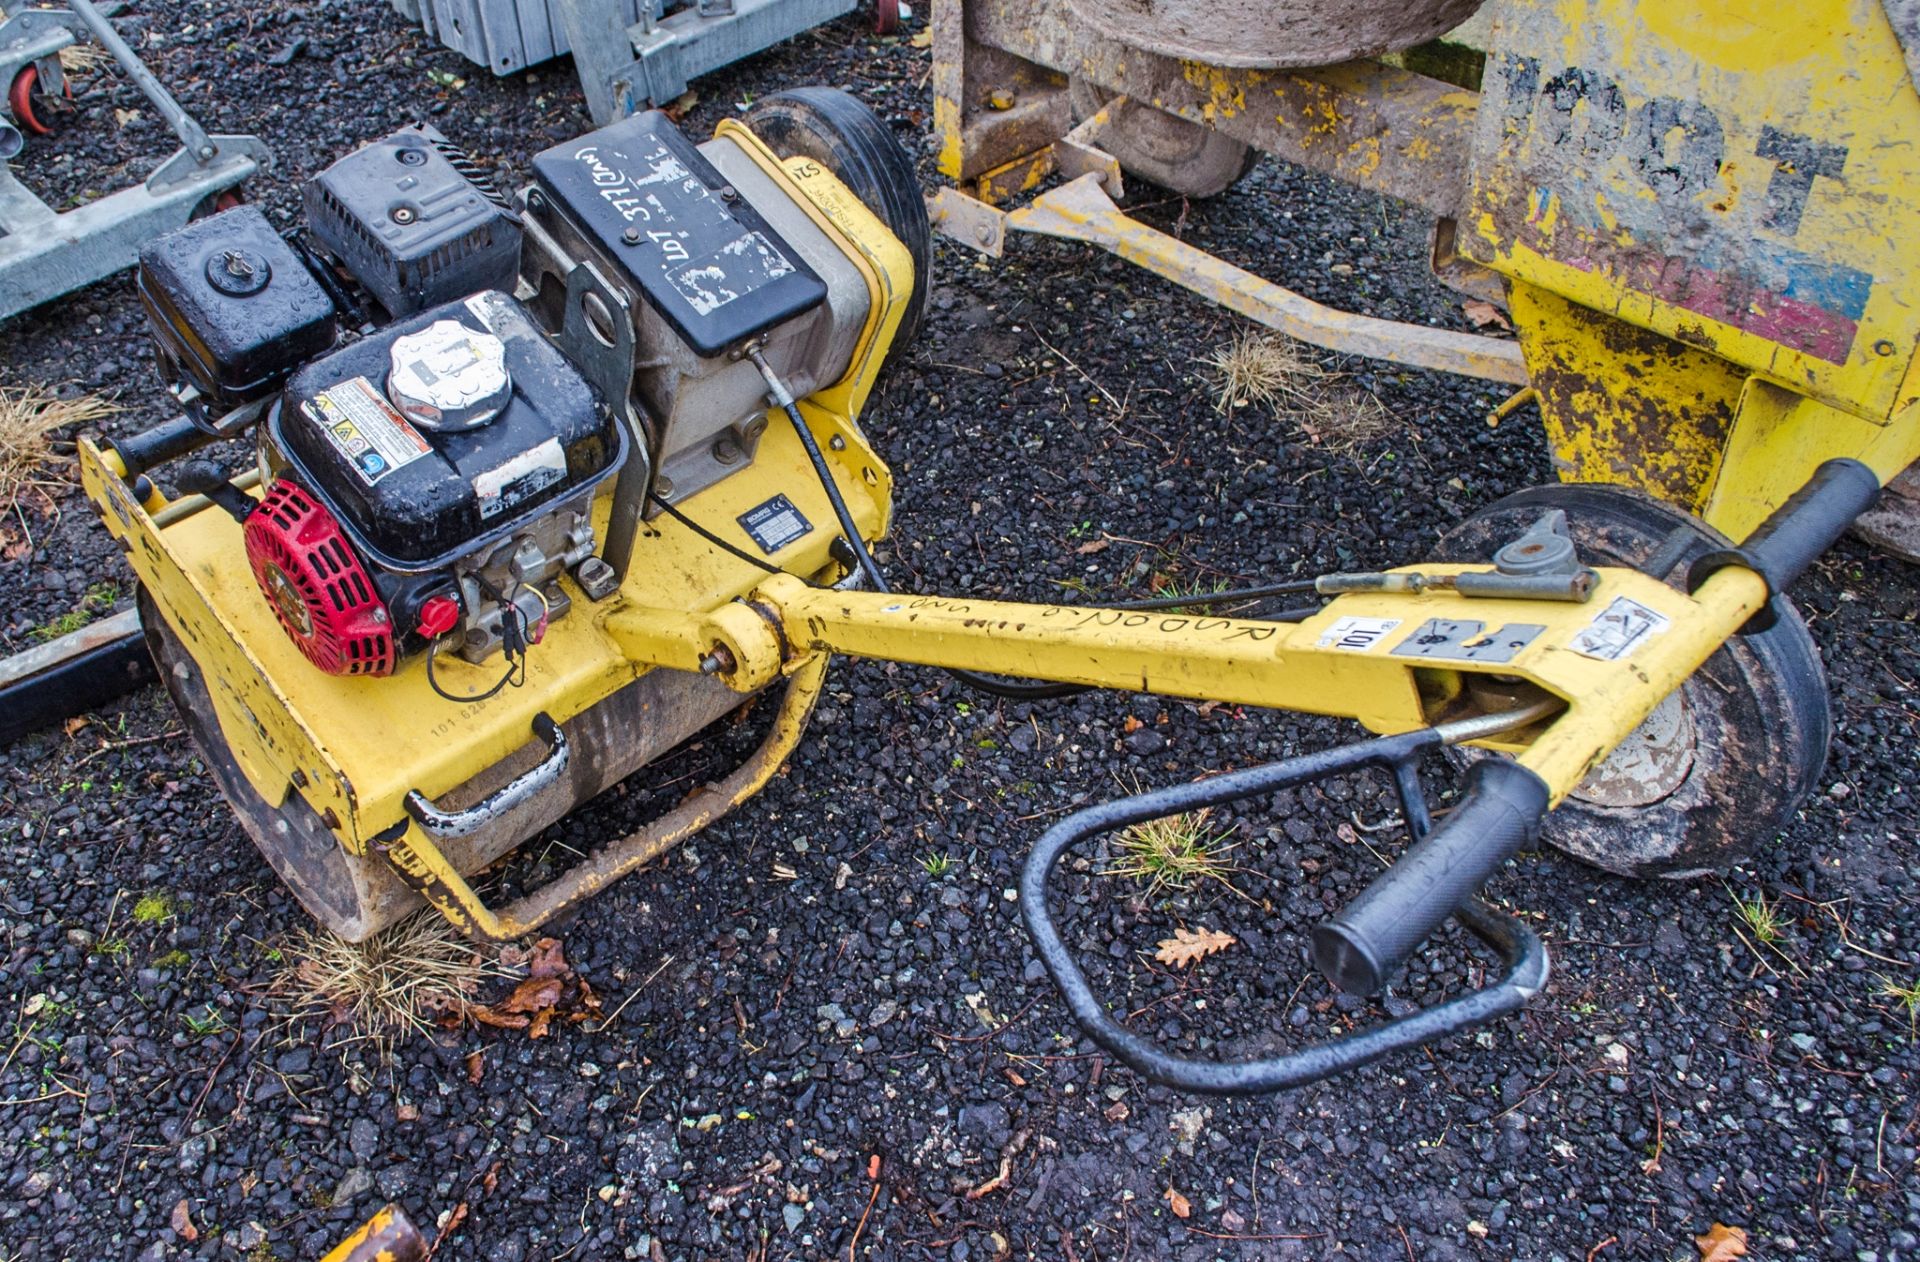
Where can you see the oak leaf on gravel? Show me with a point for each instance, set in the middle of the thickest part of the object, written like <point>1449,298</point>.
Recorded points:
<point>1722,1243</point>
<point>551,990</point>
<point>1188,945</point>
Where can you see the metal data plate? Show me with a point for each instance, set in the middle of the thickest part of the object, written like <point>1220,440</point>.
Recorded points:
<point>1464,640</point>
<point>700,255</point>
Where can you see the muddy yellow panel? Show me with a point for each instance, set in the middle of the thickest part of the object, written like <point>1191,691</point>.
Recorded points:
<point>1737,175</point>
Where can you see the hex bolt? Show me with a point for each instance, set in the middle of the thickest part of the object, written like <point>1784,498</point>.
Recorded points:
<point>403,214</point>
<point>328,818</point>
<point>631,236</point>
<point>299,778</point>
<point>838,442</point>
<point>728,193</point>
<point>717,661</point>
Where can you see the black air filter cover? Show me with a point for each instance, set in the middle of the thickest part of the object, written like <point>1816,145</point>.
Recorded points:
<point>415,221</point>
<point>700,255</point>
<point>414,499</point>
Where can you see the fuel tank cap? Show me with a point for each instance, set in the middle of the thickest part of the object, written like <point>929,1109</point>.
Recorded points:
<point>449,377</point>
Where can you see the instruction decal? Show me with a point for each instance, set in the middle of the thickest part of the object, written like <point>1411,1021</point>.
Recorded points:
<point>1357,635</point>
<point>774,524</point>
<point>1618,630</point>
<point>519,479</point>
<point>365,429</point>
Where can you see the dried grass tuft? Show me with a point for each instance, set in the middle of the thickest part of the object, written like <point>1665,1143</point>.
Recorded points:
<point>28,417</point>
<point>1344,421</point>
<point>1265,369</point>
<point>1271,370</point>
<point>396,983</point>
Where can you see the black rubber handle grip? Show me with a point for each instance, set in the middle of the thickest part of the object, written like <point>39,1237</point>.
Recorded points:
<point>1811,521</point>
<point>1360,948</point>
<point>150,448</point>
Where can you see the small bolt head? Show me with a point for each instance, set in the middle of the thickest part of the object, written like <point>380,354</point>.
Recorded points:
<point>328,818</point>
<point>404,214</point>
<point>631,236</point>
<point>1883,347</point>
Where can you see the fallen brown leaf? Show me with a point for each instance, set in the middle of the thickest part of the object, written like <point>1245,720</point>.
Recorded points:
<point>547,960</point>
<point>1722,1243</point>
<point>182,1224</point>
<point>75,723</point>
<point>1182,1208</point>
<point>407,1113</point>
<point>923,40</point>
<point>476,1066</point>
<point>1096,545</point>
<point>1188,945</point>
<point>1484,314</point>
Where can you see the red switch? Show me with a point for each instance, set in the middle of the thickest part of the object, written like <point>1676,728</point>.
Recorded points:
<point>438,616</point>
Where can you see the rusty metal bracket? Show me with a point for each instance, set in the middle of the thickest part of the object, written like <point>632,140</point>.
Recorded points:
<point>1079,153</point>
<point>1080,210</point>
<point>969,221</point>
<point>423,866</point>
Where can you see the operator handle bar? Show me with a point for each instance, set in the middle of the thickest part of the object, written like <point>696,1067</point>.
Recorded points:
<point>1796,533</point>
<point>1500,814</point>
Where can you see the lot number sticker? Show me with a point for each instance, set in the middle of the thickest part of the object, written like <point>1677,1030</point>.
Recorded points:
<point>1357,635</point>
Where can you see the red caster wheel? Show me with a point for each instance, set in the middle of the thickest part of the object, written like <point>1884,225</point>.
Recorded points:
<point>20,96</point>
<point>215,203</point>
<point>886,17</point>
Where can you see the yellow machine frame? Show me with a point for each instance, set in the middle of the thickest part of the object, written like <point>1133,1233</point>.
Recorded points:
<point>693,608</point>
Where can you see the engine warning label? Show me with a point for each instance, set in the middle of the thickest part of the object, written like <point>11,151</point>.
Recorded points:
<point>1618,629</point>
<point>774,524</point>
<point>365,429</point>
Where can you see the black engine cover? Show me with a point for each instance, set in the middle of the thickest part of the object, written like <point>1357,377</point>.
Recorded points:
<point>412,499</point>
<point>700,255</point>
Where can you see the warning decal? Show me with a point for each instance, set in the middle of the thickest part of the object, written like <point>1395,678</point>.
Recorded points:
<point>1618,629</point>
<point>774,524</point>
<point>364,428</point>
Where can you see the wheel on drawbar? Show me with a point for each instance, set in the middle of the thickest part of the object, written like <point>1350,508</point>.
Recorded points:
<point>836,130</point>
<point>1178,155</point>
<point>1721,765</point>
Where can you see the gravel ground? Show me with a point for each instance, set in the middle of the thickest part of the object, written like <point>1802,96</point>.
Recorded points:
<point>798,994</point>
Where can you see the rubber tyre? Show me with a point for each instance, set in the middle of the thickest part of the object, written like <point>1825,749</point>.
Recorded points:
<point>836,130</point>
<point>1758,709</point>
<point>1164,149</point>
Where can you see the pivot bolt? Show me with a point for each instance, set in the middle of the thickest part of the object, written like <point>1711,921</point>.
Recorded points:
<point>716,662</point>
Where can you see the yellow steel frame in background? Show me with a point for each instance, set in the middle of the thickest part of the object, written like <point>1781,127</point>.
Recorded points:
<point>1703,215</point>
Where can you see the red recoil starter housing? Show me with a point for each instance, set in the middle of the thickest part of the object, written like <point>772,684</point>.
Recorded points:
<point>318,588</point>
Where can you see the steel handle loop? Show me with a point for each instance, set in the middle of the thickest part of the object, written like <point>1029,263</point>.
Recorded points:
<point>1524,956</point>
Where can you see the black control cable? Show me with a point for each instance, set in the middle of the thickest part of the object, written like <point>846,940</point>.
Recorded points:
<point>513,645</point>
